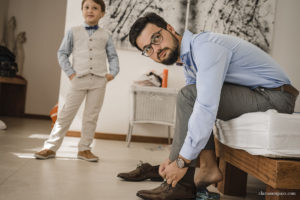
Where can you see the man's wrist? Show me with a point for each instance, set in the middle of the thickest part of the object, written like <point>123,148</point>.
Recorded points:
<point>181,162</point>
<point>185,160</point>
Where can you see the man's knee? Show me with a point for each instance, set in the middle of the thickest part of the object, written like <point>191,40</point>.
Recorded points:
<point>187,95</point>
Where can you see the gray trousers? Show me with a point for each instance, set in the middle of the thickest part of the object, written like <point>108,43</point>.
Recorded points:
<point>235,100</point>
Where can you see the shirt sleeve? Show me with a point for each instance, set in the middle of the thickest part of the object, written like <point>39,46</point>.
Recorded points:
<point>188,78</point>
<point>64,52</point>
<point>212,61</point>
<point>112,57</point>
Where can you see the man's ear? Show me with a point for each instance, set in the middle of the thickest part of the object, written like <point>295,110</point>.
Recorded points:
<point>171,29</point>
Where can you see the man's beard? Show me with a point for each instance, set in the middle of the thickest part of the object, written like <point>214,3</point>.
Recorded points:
<point>173,55</point>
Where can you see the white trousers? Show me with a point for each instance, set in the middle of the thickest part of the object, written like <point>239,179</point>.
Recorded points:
<point>90,87</point>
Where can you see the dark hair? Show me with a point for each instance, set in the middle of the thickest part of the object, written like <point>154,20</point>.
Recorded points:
<point>140,24</point>
<point>100,2</point>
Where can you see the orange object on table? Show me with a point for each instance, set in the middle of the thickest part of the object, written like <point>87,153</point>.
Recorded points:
<point>165,79</point>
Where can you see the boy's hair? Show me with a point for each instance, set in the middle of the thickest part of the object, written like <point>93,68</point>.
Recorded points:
<point>100,2</point>
<point>140,24</point>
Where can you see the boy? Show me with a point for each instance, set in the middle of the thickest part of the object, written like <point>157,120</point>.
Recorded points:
<point>89,45</point>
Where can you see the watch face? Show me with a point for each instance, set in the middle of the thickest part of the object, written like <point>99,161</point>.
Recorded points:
<point>180,163</point>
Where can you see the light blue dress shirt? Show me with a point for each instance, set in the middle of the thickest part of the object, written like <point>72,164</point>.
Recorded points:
<point>66,49</point>
<point>211,59</point>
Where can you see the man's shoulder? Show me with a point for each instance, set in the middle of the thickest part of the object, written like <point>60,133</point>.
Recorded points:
<point>205,36</point>
<point>199,39</point>
<point>212,39</point>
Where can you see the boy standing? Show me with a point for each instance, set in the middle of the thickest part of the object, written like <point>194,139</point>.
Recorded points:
<point>89,46</point>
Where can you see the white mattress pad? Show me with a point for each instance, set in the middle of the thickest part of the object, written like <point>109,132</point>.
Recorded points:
<point>267,133</point>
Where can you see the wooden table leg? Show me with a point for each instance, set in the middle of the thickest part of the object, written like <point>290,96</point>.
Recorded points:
<point>281,194</point>
<point>234,180</point>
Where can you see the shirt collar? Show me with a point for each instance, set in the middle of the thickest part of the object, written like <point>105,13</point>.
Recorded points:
<point>185,42</point>
<point>85,25</point>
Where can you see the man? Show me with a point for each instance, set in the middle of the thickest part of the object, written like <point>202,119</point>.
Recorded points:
<point>225,77</point>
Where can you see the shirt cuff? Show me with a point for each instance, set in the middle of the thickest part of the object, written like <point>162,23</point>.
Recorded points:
<point>69,72</point>
<point>114,74</point>
<point>188,151</point>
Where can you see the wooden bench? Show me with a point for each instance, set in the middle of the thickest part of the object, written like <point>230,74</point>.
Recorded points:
<point>281,176</point>
<point>12,96</point>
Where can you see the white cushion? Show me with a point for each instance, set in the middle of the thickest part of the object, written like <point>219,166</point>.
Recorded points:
<point>267,133</point>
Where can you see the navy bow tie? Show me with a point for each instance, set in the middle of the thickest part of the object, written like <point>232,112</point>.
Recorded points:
<point>92,27</point>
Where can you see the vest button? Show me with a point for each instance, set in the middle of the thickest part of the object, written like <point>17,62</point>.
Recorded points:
<point>91,40</point>
<point>91,68</point>
<point>91,58</point>
<point>91,49</point>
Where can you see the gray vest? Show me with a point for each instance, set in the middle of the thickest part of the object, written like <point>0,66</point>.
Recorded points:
<point>89,52</point>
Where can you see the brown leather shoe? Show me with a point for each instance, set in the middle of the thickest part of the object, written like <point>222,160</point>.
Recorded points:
<point>44,154</point>
<point>164,186</point>
<point>87,155</point>
<point>143,172</point>
<point>182,191</point>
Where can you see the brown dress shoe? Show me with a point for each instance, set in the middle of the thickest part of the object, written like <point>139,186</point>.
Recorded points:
<point>143,172</point>
<point>164,186</point>
<point>87,155</point>
<point>182,191</point>
<point>44,154</point>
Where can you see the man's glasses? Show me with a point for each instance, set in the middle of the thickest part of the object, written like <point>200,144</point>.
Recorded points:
<point>156,38</point>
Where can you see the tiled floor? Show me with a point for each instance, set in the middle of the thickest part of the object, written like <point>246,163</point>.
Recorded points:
<point>65,178</point>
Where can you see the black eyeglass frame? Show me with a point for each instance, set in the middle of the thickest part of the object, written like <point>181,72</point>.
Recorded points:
<point>149,46</point>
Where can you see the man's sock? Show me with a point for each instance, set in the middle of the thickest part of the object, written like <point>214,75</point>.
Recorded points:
<point>189,176</point>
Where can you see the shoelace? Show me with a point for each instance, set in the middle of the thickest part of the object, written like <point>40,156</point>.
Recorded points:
<point>166,185</point>
<point>140,166</point>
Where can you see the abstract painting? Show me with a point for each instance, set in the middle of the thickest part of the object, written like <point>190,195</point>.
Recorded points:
<point>251,20</point>
<point>121,14</point>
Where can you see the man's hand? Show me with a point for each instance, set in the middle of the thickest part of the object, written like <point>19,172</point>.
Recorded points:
<point>109,77</point>
<point>174,174</point>
<point>162,168</point>
<point>72,76</point>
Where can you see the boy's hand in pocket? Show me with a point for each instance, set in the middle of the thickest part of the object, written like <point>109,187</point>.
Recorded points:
<point>72,76</point>
<point>109,77</point>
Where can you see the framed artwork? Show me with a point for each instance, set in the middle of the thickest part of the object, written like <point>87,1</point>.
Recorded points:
<point>121,14</point>
<point>252,20</point>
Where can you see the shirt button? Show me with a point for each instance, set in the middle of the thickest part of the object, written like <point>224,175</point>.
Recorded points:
<point>91,58</point>
<point>91,49</point>
<point>91,68</point>
<point>92,74</point>
<point>91,39</point>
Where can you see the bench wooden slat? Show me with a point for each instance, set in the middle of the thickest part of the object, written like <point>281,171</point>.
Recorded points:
<point>277,173</point>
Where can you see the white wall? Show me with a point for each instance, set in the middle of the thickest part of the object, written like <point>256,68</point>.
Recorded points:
<point>115,112</point>
<point>286,40</point>
<point>43,21</point>
<point>3,17</point>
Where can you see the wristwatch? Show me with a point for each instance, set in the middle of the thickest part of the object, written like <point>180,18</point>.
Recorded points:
<point>181,163</point>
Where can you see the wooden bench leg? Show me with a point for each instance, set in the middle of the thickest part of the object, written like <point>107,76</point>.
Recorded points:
<point>234,180</point>
<point>281,194</point>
